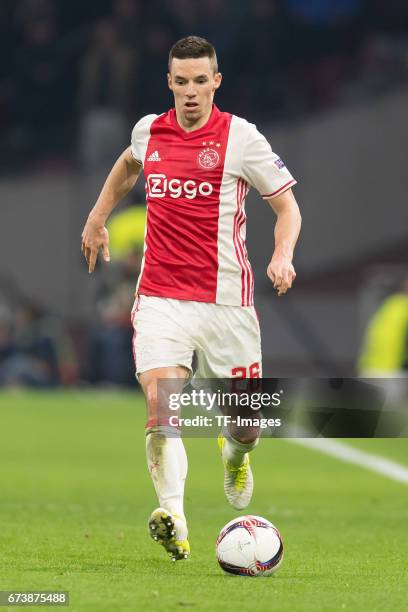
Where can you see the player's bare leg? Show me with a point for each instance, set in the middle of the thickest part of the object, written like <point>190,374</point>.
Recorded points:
<point>167,463</point>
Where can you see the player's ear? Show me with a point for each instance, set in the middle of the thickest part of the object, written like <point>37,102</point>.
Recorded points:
<point>169,80</point>
<point>217,80</point>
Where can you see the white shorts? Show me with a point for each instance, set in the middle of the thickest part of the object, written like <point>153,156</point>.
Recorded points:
<point>226,340</point>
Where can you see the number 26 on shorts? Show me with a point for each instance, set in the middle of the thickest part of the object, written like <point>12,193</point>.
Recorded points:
<point>242,373</point>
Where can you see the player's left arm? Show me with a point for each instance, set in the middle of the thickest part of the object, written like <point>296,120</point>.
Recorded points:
<point>287,228</point>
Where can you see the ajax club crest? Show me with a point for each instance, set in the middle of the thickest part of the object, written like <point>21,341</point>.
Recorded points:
<point>209,158</point>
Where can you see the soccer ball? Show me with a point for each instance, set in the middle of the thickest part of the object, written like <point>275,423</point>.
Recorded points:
<point>249,546</point>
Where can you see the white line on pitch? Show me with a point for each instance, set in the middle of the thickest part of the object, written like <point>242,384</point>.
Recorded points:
<point>344,452</point>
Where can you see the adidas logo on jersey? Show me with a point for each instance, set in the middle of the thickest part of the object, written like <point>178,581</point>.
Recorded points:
<point>154,156</point>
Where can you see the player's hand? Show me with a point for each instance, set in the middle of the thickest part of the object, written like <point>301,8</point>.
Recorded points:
<point>94,238</point>
<point>281,272</point>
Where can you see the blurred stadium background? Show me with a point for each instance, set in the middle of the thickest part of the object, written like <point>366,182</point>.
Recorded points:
<point>325,81</point>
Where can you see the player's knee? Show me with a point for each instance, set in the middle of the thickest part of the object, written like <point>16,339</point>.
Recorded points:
<point>245,435</point>
<point>151,398</point>
<point>157,404</point>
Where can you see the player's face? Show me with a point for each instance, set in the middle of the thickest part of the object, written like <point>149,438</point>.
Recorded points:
<point>193,84</point>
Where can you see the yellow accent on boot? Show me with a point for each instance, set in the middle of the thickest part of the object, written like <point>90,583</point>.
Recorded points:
<point>163,530</point>
<point>221,441</point>
<point>240,473</point>
<point>238,481</point>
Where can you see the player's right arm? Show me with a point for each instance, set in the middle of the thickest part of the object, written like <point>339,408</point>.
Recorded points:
<point>120,181</point>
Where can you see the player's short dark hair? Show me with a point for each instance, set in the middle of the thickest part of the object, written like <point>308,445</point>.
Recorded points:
<point>192,47</point>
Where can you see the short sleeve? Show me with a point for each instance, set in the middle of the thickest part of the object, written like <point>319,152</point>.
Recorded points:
<point>140,137</point>
<point>262,168</point>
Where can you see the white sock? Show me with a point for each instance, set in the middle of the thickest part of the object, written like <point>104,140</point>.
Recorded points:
<point>167,463</point>
<point>235,451</point>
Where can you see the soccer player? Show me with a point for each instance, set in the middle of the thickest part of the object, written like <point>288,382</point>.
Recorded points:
<point>195,290</point>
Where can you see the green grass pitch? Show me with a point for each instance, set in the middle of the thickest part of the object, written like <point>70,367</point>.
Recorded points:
<point>75,496</point>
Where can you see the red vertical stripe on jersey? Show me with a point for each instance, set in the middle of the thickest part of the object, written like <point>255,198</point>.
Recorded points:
<point>241,242</point>
<point>240,250</point>
<point>250,276</point>
<point>236,243</point>
<point>241,222</point>
<point>248,271</point>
